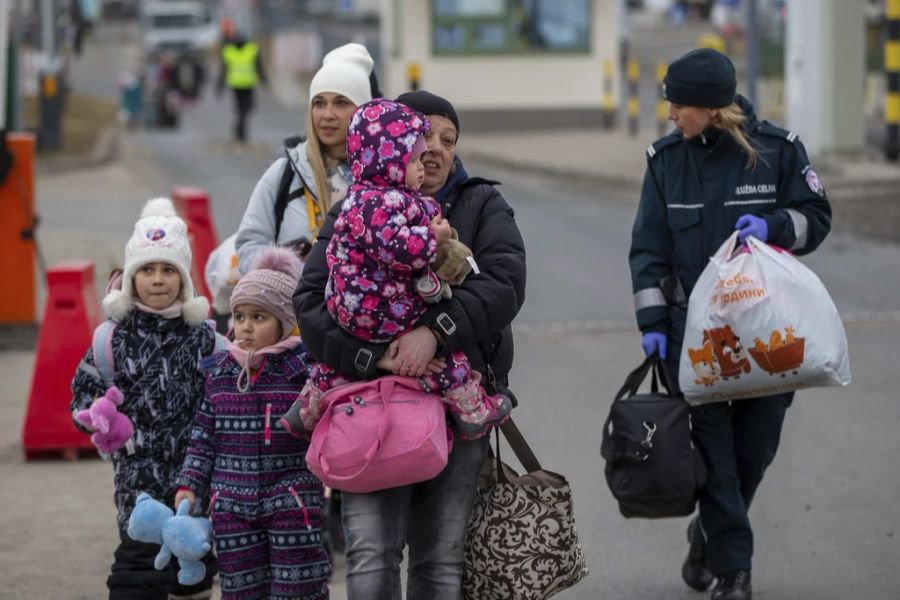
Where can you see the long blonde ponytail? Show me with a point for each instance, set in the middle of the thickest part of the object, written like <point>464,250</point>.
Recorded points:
<point>731,118</point>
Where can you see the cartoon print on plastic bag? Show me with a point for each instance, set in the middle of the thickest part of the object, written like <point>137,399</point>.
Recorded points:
<point>782,354</point>
<point>705,364</point>
<point>729,351</point>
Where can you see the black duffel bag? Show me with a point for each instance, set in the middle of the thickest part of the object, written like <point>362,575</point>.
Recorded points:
<point>652,466</point>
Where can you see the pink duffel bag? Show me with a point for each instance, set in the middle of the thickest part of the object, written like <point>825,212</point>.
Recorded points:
<point>379,434</point>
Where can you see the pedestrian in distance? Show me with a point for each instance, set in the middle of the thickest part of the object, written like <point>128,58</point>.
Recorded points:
<point>155,336</point>
<point>722,170</point>
<point>289,203</point>
<point>242,72</point>
<point>384,243</point>
<point>430,517</point>
<point>266,507</point>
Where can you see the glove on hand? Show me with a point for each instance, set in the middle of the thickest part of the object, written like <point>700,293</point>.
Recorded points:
<point>654,342</point>
<point>752,225</point>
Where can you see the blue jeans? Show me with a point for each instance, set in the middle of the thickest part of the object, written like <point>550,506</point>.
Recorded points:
<point>431,516</point>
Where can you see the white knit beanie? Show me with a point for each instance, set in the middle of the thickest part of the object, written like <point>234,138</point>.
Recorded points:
<point>345,71</point>
<point>159,236</point>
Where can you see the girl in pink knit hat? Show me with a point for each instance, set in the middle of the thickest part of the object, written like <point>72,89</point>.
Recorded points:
<point>266,507</point>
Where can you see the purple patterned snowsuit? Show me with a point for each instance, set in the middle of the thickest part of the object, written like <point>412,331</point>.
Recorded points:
<point>267,507</point>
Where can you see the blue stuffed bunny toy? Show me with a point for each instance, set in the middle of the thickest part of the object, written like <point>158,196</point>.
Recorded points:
<point>188,538</point>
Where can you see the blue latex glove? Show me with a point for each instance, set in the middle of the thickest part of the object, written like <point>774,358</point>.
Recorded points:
<point>752,225</point>
<point>654,342</point>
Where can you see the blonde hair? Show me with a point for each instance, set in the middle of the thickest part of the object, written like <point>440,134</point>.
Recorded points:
<point>731,118</point>
<point>320,164</point>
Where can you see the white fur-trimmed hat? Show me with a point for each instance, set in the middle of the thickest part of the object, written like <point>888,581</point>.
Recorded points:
<point>345,71</point>
<point>159,236</point>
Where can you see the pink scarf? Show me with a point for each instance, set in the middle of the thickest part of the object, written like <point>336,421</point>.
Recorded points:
<point>251,359</point>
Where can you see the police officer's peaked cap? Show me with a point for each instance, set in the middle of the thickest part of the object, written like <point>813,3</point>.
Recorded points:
<point>702,77</point>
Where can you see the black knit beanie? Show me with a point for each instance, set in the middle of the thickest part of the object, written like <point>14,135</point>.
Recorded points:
<point>703,78</point>
<point>430,104</point>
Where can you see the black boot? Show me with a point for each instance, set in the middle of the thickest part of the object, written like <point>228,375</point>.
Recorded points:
<point>734,585</point>
<point>694,570</point>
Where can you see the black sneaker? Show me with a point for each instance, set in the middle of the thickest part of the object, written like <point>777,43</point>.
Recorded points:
<point>694,570</point>
<point>734,585</point>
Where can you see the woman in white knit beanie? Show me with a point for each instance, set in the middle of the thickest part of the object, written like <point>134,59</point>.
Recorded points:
<point>314,172</point>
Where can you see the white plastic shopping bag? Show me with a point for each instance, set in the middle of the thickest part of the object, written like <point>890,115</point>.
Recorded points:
<point>759,323</point>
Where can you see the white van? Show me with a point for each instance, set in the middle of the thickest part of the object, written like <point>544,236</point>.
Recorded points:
<point>177,25</point>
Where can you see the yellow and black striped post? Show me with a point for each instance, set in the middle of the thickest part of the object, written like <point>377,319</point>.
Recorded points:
<point>634,104</point>
<point>609,99</point>
<point>892,70</point>
<point>662,106</point>
<point>414,75</point>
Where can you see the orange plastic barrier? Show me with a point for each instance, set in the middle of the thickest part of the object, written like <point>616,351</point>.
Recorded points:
<point>192,205</point>
<point>71,314</point>
<point>16,246</point>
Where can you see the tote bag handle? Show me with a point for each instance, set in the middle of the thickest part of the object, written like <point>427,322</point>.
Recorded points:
<point>657,368</point>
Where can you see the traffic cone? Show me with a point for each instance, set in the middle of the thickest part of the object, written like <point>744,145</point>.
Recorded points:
<point>192,205</point>
<point>71,314</point>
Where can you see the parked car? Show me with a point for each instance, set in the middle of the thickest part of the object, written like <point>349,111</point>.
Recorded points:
<point>179,25</point>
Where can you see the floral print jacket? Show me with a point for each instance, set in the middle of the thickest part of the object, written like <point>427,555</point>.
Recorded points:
<point>382,241</point>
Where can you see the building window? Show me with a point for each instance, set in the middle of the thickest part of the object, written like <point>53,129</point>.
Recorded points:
<point>510,26</point>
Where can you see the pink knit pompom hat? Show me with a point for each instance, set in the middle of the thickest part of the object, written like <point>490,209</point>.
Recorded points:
<point>270,286</point>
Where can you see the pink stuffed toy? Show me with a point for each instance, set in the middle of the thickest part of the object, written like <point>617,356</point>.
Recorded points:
<point>112,429</point>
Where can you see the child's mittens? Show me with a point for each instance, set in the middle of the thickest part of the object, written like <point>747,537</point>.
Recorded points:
<point>431,288</point>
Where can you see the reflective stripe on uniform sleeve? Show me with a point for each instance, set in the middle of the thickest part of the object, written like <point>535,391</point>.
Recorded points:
<point>649,297</point>
<point>801,228</point>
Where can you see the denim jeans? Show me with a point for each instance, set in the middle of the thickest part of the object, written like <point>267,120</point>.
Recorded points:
<point>431,516</point>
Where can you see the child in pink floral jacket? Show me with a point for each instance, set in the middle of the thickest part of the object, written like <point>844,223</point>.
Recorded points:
<point>385,239</point>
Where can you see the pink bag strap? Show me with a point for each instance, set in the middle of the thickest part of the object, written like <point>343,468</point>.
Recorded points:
<point>385,388</point>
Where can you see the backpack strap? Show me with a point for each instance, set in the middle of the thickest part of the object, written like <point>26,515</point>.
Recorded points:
<point>101,345</point>
<point>284,195</point>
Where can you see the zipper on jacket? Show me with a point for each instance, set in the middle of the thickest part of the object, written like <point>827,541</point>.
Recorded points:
<point>268,431</point>
<point>301,505</point>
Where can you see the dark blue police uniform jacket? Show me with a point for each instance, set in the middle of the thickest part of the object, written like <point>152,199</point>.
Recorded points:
<point>694,190</point>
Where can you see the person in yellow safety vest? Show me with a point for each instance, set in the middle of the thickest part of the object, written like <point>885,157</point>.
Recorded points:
<point>242,71</point>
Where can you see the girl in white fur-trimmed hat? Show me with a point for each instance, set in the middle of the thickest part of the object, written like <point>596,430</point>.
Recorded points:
<point>150,350</point>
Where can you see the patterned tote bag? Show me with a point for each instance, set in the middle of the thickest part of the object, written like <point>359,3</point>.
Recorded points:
<point>522,542</point>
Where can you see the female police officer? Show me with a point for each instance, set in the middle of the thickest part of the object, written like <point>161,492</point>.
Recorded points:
<point>721,170</point>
